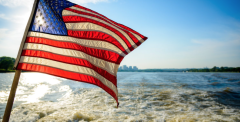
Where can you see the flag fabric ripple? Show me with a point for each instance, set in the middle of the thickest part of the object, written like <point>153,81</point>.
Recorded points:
<point>74,42</point>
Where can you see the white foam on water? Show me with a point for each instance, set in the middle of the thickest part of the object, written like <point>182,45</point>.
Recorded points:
<point>4,96</point>
<point>139,101</point>
<point>93,104</point>
<point>38,92</point>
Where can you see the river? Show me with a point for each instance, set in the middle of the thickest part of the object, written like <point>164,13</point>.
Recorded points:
<point>143,96</point>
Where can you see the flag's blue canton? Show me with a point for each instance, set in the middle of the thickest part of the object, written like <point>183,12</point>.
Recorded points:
<point>48,17</point>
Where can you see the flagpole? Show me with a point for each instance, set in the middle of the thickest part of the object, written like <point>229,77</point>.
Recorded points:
<point>17,72</point>
<point>11,96</point>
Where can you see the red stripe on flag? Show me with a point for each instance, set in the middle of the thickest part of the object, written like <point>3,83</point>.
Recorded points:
<point>96,36</point>
<point>135,40</point>
<point>92,15</point>
<point>125,27</point>
<point>69,19</point>
<point>70,60</point>
<point>98,53</point>
<point>66,74</point>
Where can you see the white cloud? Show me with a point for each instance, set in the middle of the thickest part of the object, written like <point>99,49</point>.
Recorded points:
<point>15,3</point>
<point>3,16</point>
<point>9,41</point>
<point>16,18</point>
<point>3,32</point>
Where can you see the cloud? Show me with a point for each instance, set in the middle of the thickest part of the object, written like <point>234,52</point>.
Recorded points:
<point>16,18</point>
<point>10,41</point>
<point>3,32</point>
<point>3,16</point>
<point>15,3</point>
<point>10,36</point>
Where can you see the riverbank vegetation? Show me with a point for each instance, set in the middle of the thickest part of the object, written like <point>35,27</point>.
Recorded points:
<point>214,69</point>
<point>217,69</point>
<point>6,64</point>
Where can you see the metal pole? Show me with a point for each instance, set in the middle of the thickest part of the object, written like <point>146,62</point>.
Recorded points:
<point>11,96</point>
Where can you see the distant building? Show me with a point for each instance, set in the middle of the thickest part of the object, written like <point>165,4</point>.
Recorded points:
<point>130,68</point>
<point>120,68</point>
<point>125,67</point>
<point>135,68</point>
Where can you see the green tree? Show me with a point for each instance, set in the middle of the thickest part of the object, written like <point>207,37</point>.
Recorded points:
<point>6,63</point>
<point>213,69</point>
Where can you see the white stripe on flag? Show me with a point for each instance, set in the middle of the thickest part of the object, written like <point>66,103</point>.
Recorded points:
<point>108,66</point>
<point>68,67</point>
<point>84,42</point>
<point>79,9</point>
<point>70,13</point>
<point>86,26</point>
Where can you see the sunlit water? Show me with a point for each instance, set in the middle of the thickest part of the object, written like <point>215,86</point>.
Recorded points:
<point>157,97</point>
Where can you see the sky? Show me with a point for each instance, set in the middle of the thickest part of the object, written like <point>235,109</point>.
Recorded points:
<point>181,33</point>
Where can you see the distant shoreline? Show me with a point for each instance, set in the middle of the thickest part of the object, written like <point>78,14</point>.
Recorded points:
<point>214,69</point>
<point>184,72</point>
<point>147,71</point>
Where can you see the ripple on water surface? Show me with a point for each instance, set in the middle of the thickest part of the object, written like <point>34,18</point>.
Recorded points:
<point>146,97</point>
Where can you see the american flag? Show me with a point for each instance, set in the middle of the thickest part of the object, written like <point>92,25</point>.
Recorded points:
<point>74,42</point>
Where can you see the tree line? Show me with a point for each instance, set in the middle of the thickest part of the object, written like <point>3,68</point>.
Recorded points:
<point>154,70</point>
<point>217,69</point>
<point>6,63</point>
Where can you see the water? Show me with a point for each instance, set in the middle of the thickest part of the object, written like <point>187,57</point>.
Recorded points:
<point>156,97</point>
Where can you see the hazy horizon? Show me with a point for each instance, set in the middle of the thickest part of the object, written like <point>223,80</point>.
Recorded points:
<point>187,68</point>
